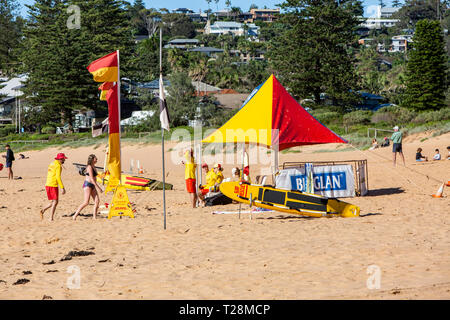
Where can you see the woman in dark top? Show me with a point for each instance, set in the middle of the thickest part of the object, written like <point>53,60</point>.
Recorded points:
<point>90,187</point>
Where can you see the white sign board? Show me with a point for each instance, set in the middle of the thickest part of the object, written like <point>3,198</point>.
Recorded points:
<point>332,181</point>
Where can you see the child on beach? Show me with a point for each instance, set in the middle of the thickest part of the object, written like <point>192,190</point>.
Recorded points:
<point>437,155</point>
<point>385,142</point>
<point>189,175</point>
<point>53,182</point>
<point>374,144</point>
<point>419,156</point>
<point>90,187</point>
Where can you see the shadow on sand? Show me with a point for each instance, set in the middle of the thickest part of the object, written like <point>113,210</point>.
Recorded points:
<point>370,214</point>
<point>291,217</point>
<point>384,192</point>
<point>281,217</point>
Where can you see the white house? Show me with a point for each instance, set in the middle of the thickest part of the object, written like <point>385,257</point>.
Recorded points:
<point>11,97</point>
<point>231,27</point>
<point>380,17</point>
<point>378,23</point>
<point>400,43</point>
<point>137,117</point>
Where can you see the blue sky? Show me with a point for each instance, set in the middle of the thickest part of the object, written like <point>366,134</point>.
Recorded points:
<point>196,5</point>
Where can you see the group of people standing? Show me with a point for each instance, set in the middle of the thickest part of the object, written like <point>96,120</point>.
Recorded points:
<point>54,183</point>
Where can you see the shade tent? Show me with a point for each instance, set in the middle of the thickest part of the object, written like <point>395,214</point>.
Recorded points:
<point>271,118</point>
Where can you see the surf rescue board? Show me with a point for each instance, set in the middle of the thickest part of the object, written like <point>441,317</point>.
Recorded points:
<point>294,202</point>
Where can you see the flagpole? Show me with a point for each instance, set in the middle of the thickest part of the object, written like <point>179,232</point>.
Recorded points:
<point>118,106</point>
<point>162,129</point>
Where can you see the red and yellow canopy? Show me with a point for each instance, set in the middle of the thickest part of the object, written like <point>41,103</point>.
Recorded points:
<point>272,117</point>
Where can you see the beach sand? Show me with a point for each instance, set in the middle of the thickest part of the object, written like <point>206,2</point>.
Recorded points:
<point>402,231</point>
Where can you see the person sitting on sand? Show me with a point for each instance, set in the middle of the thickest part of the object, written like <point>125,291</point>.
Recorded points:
<point>90,187</point>
<point>211,180</point>
<point>218,169</point>
<point>385,142</point>
<point>53,182</point>
<point>374,144</point>
<point>189,175</point>
<point>419,156</point>
<point>437,155</point>
<point>235,174</point>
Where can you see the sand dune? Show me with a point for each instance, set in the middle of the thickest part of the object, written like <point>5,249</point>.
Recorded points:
<point>402,230</point>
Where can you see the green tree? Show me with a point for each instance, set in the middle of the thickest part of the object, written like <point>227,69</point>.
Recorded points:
<point>10,33</point>
<point>58,53</point>
<point>372,80</point>
<point>311,55</point>
<point>137,14</point>
<point>413,11</point>
<point>178,25</point>
<point>427,68</point>
<point>181,100</point>
<point>146,60</point>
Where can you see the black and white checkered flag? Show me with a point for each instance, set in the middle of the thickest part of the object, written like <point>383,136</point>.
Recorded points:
<point>164,112</point>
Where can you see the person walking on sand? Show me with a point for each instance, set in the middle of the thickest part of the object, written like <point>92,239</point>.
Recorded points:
<point>53,182</point>
<point>189,175</point>
<point>9,159</point>
<point>397,145</point>
<point>90,187</point>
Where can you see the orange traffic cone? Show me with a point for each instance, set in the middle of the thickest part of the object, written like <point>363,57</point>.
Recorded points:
<point>439,192</point>
<point>141,170</point>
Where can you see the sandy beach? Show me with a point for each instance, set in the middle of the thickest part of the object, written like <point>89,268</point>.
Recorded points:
<point>403,231</point>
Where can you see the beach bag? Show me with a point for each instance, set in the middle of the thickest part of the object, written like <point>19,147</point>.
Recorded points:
<point>217,199</point>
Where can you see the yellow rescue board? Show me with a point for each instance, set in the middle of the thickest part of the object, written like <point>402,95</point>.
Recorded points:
<point>293,202</point>
<point>135,182</point>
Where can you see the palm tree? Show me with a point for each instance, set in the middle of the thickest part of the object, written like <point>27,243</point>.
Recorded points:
<point>235,11</point>
<point>209,2</point>
<point>217,5</point>
<point>228,4</point>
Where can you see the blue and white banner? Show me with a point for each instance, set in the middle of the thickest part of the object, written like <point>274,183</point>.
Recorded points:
<point>329,181</point>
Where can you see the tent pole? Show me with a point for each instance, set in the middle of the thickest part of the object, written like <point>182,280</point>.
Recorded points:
<point>242,173</point>
<point>275,156</point>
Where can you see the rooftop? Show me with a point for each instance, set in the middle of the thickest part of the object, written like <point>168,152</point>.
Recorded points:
<point>182,41</point>
<point>206,49</point>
